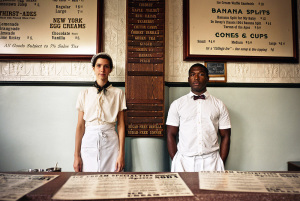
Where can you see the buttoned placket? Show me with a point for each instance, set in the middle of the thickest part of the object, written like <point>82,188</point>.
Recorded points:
<point>199,125</point>
<point>99,107</point>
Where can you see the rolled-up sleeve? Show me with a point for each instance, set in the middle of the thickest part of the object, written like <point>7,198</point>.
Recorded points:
<point>224,120</point>
<point>173,116</point>
<point>122,101</point>
<point>80,102</point>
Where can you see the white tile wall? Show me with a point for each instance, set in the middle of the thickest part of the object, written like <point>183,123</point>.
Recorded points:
<point>115,44</point>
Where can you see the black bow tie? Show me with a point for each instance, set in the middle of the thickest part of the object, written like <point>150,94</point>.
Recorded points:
<point>199,97</point>
<point>99,88</point>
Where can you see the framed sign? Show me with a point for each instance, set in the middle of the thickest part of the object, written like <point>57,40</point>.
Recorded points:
<point>50,29</point>
<point>217,71</point>
<point>252,31</point>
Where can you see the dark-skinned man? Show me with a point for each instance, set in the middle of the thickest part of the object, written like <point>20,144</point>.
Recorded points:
<point>198,118</point>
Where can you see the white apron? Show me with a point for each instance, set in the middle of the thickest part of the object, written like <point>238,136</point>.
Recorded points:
<point>99,148</point>
<point>208,162</point>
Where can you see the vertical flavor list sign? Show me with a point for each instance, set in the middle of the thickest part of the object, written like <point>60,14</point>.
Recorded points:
<point>52,27</point>
<point>145,68</point>
<point>261,28</point>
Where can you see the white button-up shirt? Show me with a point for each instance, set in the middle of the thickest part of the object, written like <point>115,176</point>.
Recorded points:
<point>198,122</point>
<point>99,108</point>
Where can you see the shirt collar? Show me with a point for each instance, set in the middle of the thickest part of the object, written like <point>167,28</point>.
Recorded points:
<point>191,94</point>
<point>95,89</point>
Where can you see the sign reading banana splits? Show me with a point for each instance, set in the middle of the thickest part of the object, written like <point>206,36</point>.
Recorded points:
<point>241,29</point>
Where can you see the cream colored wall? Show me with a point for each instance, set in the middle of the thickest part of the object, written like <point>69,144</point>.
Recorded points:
<point>265,125</point>
<point>37,130</point>
<point>115,44</point>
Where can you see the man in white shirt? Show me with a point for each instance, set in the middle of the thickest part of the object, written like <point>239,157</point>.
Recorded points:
<point>198,118</point>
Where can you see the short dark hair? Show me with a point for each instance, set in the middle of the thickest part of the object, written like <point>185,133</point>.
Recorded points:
<point>199,65</point>
<point>102,55</point>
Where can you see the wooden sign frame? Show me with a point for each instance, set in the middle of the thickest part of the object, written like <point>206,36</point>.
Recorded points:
<point>43,43</point>
<point>260,31</point>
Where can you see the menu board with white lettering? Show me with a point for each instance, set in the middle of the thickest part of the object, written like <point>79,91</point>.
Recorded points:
<point>243,29</point>
<point>32,28</point>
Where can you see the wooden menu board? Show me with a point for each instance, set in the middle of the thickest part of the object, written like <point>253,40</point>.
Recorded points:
<point>145,68</point>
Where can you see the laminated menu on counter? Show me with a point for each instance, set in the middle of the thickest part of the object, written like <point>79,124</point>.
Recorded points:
<point>15,186</point>
<point>115,186</point>
<point>265,182</point>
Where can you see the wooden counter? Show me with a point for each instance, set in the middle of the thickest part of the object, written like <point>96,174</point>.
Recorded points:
<point>191,179</point>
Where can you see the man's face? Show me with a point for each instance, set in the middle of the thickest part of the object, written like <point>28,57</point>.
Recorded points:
<point>198,79</point>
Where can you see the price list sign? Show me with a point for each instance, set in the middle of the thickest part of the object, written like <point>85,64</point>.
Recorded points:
<point>145,68</point>
<point>255,30</point>
<point>49,29</point>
